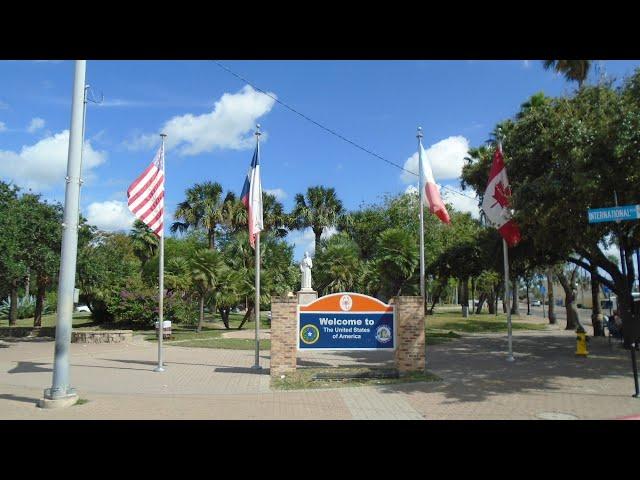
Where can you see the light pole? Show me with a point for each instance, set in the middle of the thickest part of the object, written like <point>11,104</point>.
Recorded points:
<point>61,394</point>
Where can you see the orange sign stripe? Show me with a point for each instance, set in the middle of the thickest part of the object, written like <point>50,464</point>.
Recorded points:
<point>360,303</point>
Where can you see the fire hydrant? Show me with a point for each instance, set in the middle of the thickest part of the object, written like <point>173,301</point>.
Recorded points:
<point>581,345</point>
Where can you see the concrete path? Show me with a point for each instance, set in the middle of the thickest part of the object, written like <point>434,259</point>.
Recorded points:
<point>546,381</point>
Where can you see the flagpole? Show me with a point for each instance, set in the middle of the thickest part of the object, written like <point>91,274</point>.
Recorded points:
<point>421,184</point>
<point>257,366</point>
<point>160,367</point>
<point>61,394</point>
<point>507,296</point>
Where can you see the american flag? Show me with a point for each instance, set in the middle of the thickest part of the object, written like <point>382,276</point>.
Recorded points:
<point>146,195</point>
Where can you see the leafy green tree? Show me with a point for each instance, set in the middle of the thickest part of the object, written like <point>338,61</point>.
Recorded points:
<point>206,267</point>
<point>397,262</point>
<point>145,242</point>
<point>572,70</point>
<point>320,208</point>
<point>13,269</point>
<point>203,208</point>
<point>107,266</point>
<point>41,234</point>
<point>338,265</point>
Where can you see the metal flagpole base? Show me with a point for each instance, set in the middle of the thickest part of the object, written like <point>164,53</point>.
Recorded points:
<point>256,367</point>
<point>57,399</point>
<point>158,369</point>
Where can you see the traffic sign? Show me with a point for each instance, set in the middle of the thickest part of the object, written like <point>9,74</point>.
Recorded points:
<point>614,214</point>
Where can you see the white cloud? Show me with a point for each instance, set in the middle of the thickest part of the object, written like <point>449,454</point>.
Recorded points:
<point>3,126</point>
<point>446,157</point>
<point>279,193</point>
<point>229,125</point>
<point>44,164</point>
<point>36,124</point>
<point>460,202</point>
<point>110,216</point>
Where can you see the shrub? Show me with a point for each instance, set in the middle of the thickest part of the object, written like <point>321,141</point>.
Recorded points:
<point>134,307</point>
<point>26,307</point>
<point>181,310</point>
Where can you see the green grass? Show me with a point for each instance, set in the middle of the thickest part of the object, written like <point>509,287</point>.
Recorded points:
<point>80,320</point>
<point>81,401</point>
<point>303,379</point>
<point>481,323</point>
<point>435,337</point>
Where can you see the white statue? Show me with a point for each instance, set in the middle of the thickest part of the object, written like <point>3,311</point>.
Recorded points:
<point>305,267</point>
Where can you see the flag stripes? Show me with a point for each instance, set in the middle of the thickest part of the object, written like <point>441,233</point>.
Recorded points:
<point>146,195</point>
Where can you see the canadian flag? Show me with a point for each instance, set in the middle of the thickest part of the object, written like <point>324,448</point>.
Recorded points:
<point>432,195</point>
<point>495,202</point>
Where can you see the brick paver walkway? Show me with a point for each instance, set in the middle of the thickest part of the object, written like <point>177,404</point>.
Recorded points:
<point>546,381</point>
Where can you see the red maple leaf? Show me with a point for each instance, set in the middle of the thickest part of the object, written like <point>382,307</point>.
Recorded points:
<point>501,194</point>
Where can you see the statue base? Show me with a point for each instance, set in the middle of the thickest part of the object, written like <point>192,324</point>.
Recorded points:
<point>305,297</point>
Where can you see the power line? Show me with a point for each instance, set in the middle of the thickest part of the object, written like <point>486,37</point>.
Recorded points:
<point>327,129</point>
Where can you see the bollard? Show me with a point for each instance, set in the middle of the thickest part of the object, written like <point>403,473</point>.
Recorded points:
<point>581,344</point>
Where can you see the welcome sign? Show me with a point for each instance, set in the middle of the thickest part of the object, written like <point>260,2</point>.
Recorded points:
<point>346,321</point>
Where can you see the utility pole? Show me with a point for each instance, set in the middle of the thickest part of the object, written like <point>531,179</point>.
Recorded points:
<point>61,394</point>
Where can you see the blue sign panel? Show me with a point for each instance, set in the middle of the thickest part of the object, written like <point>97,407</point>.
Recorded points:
<point>346,331</point>
<point>614,214</point>
<point>543,290</point>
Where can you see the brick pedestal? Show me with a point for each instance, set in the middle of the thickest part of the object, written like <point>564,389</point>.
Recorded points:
<point>284,335</point>
<point>410,335</point>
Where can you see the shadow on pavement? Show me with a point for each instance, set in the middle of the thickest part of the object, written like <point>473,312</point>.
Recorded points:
<point>262,371</point>
<point>16,398</point>
<point>30,367</point>
<point>475,368</point>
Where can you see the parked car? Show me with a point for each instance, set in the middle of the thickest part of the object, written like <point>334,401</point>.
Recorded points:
<point>536,303</point>
<point>82,308</point>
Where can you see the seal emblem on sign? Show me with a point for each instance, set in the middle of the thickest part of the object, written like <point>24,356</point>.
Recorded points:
<point>346,303</point>
<point>383,334</point>
<point>309,334</point>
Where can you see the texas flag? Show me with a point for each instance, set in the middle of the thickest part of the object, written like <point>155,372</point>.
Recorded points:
<point>251,196</point>
<point>432,195</point>
<point>495,202</point>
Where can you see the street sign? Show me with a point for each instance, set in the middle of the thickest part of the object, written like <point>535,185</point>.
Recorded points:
<point>614,214</point>
<point>346,321</point>
<point>543,290</point>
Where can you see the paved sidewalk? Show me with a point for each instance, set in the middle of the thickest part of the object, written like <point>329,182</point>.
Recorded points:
<point>546,381</point>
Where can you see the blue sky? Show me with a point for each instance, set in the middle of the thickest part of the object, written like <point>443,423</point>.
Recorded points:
<point>210,114</point>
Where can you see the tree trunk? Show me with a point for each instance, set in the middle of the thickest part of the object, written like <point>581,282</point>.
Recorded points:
<point>473,295</point>
<point>247,316</point>
<point>13,308</point>
<point>481,299</point>
<point>212,239</point>
<point>491,302</point>
<point>201,321</point>
<point>552,313</point>
<point>224,314</point>
<point>318,234</point>
<point>515,309</point>
<point>504,302</point>
<point>528,301</point>
<point>596,313</point>
<point>464,297</point>
<point>37,317</point>
<point>26,285</point>
<point>573,319</point>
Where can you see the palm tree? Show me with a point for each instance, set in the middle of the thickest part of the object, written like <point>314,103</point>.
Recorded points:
<point>274,218</point>
<point>202,208</point>
<point>573,70</point>
<point>536,100</point>
<point>319,209</point>
<point>145,242</point>
<point>206,267</point>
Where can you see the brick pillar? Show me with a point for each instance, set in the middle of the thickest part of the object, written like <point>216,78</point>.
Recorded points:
<point>284,335</point>
<point>410,335</point>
